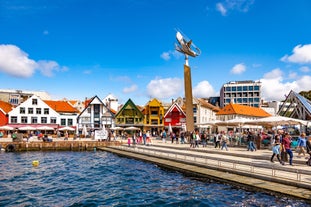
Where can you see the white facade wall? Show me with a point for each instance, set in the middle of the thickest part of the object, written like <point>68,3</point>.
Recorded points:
<point>37,105</point>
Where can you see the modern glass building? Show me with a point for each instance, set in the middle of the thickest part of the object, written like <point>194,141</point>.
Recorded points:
<point>241,92</point>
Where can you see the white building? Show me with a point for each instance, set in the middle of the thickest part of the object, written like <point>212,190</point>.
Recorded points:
<point>111,102</point>
<point>95,116</point>
<point>36,112</point>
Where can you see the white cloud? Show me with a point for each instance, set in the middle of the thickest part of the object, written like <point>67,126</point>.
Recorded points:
<point>301,54</point>
<point>15,62</point>
<point>304,69</point>
<point>233,5</point>
<point>165,56</point>
<point>48,67</point>
<point>169,54</point>
<point>203,90</point>
<point>238,68</point>
<point>220,7</point>
<point>130,89</point>
<point>275,88</point>
<point>164,88</point>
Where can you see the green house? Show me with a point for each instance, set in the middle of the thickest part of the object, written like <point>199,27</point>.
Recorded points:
<point>129,116</point>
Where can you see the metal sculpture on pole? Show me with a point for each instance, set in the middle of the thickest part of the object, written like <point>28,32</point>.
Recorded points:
<point>188,49</point>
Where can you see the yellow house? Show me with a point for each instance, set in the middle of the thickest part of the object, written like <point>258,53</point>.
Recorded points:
<point>153,117</point>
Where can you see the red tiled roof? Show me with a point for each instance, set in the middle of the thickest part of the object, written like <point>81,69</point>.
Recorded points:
<point>61,106</point>
<point>243,110</point>
<point>5,106</point>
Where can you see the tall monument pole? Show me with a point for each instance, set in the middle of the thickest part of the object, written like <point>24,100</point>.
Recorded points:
<point>189,98</point>
<point>187,48</point>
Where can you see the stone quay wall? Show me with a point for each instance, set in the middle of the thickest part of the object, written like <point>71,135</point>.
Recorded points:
<point>58,146</point>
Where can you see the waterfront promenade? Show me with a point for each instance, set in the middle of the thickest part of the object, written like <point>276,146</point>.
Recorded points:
<point>237,166</point>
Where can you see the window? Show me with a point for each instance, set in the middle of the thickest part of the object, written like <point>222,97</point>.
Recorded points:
<point>38,110</point>
<point>34,120</point>
<point>70,122</point>
<point>13,119</point>
<point>256,88</point>
<point>89,110</point>
<point>22,110</point>
<point>44,120</point>
<point>63,122</point>
<point>34,101</point>
<point>233,88</point>
<point>53,120</point>
<point>46,111</point>
<point>250,88</point>
<point>30,110</point>
<point>24,120</point>
<point>239,88</point>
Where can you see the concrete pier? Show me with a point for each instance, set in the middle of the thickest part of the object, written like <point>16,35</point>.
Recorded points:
<point>253,172</point>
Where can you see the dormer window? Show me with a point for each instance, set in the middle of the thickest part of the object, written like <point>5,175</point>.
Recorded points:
<point>34,101</point>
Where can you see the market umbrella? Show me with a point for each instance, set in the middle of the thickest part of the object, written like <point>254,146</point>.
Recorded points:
<point>276,120</point>
<point>26,128</point>
<point>117,128</point>
<point>45,128</point>
<point>66,128</point>
<point>131,128</point>
<point>6,127</point>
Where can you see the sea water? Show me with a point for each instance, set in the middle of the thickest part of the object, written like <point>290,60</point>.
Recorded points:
<point>104,179</point>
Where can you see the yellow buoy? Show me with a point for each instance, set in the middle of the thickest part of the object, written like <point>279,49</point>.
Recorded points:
<point>35,163</point>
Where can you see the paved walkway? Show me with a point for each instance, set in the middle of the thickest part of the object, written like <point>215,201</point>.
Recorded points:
<point>235,165</point>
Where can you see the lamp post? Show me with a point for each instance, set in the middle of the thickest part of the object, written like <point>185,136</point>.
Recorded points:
<point>188,49</point>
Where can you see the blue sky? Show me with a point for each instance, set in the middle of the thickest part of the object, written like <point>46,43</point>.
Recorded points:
<point>80,48</point>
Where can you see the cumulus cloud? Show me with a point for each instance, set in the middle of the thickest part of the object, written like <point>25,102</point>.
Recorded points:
<point>203,90</point>
<point>130,89</point>
<point>301,54</point>
<point>165,88</point>
<point>275,87</point>
<point>233,5</point>
<point>238,68</point>
<point>15,62</point>
<point>169,54</point>
<point>304,69</point>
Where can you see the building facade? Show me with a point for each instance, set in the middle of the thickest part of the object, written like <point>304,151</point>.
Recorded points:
<point>241,92</point>
<point>95,116</point>
<point>153,117</point>
<point>36,112</point>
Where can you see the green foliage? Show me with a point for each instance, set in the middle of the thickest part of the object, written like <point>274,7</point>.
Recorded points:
<point>306,94</point>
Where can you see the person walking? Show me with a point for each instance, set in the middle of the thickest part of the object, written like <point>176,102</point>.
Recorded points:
<point>224,140</point>
<point>250,141</point>
<point>276,149</point>
<point>308,145</point>
<point>164,136</point>
<point>286,142</point>
<point>302,143</point>
<point>218,139</point>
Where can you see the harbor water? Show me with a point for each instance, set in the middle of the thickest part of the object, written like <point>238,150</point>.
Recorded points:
<point>103,179</point>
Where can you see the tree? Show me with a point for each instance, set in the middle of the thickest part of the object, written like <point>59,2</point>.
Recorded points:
<point>306,94</point>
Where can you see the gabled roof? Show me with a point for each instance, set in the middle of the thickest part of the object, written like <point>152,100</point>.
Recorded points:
<point>61,106</point>
<point>237,109</point>
<point>174,106</point>
<point>90,101</point>
<point>5,107</point>
<point>130,103</point>
<point>208,105</point>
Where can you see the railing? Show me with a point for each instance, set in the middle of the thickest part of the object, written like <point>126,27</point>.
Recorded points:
<point>300,176</point>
